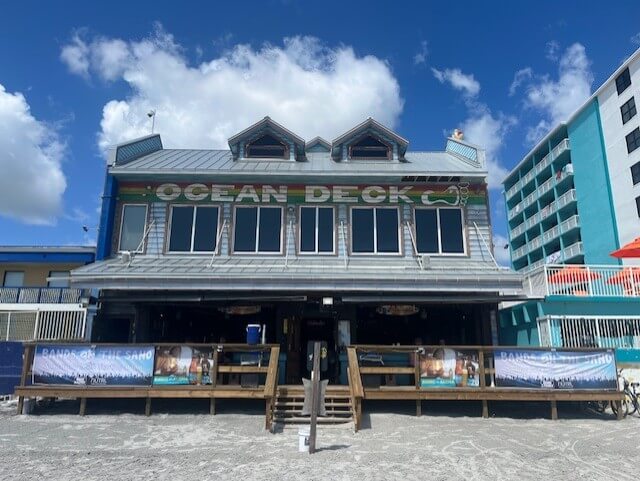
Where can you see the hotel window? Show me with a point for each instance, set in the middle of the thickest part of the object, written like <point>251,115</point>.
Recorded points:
<point>635,173</point>
<point>439,230</point>
<point>268,147</point>
<point>628,110</point>
<point>623,81</point>
<point>638,206</point>
<point>193,228</point>
<point>58,279</point>
<point>374,230</point>
<point>371,148</point>
<point>134,220</point>
<point>633,140</point>
<point>13,279</point>
<point>258,230</point>
<point>316,230</point>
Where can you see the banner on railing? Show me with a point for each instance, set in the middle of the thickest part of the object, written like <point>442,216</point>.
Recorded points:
<point>555,369</point>
<point>446,367</point>
<point>177,365</point>
<point>93,365</point>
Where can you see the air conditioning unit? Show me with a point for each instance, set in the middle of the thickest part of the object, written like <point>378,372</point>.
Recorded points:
<point>126,256</point>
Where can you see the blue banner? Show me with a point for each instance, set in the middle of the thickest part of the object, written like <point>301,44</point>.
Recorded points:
<point>93,366</point>
<point>555,369</point>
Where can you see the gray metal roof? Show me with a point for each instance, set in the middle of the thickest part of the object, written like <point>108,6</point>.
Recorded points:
<point>366,274</point>
<point>220,162</point>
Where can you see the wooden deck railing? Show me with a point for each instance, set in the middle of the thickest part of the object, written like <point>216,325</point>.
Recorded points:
<point>213,391</point>
<point>485,391</point>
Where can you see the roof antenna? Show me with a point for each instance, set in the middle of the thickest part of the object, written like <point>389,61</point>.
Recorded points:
<point>152,115</point>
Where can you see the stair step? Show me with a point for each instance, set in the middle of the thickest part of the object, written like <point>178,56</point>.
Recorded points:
<point>298,412</point>
<point>327,420</point>
<point>300,403</point>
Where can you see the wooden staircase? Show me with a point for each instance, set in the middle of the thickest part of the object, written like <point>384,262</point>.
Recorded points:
<point>289,400</point>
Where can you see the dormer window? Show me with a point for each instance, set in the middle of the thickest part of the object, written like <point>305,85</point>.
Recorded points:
<point>370,148</point>
<point>269,147</point>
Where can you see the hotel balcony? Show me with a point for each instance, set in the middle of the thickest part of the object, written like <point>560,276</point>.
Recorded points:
<point>564,227</point>
<point>42,313</point>
<point>608,332</point>
<point>583,281</point>
<point>546,161</point>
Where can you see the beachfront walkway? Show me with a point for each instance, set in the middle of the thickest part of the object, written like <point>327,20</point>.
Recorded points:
<point>53,445</point>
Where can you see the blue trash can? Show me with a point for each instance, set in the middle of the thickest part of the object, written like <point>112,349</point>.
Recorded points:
<point>253,333</point>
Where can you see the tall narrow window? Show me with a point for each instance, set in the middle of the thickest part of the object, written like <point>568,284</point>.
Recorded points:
<point>268,146</point>
<point>134,220</point>
<point>316,230</point>
<point>369,147</point>
<point>439,231</point>
<point>623,81</point>
<point>633,140</point>
<point>638,206</point>
<point>374,230</point>
<point>635,173</point>
<point>628,110</point>
<point>193,228</point>
<point>258,230</point>
<point>13,279</point>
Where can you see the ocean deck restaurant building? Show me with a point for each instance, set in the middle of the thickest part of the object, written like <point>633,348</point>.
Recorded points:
<point>355,240</point>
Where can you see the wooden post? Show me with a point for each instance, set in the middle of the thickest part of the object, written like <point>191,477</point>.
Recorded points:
<point>213,374</point>
<point>147,406</point>
<point>26,364</point>
<point>315,395</point>
<point>620,414</point>
<point>83,406</point>
<point>483,383</point>
<point>416,365</point>
<point>554,410</point>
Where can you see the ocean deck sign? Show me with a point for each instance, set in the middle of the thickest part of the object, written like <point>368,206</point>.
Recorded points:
<point>450,194</point>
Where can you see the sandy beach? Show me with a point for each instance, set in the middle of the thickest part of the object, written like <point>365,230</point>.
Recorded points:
<point>187,444</point>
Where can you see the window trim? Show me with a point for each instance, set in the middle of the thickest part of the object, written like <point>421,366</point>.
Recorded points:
<point>143,247</point>
<point>168,250</point>
<point>299,250</point>
<point>68,278</point>
<point>632,99</point>
<point>379,159</point>
<point>463,219</point>
<point>375,231</point>
<point>4,278</point>
<point>257,252</point>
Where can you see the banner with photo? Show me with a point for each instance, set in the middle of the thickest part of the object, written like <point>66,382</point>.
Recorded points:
<point>86,365</point>
<point>177,365</point>
<point>446,367</point>
<point>555,369</point>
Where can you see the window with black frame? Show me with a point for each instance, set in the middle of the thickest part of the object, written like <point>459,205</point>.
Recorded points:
<point>439,231</point>
<point>633,140</point>
<point>269,147</point>
<point>257,230</point>
<point>316,230</point>
<point>370,147</point>
<point>193,228</point>
<point>375,230</point>
<point>623,81</point>
<point>628,110</point>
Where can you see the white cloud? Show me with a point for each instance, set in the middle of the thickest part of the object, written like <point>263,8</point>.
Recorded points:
<point>557,99</point>
<point>75,56</point>
<point>489,132</point>
<point>481,127</point>
<point>466,83</point>
<point>306,86</point>
<point>551,50</point>
<point>421,57</point>
<point>32,182</point>
<point>500,253</point>
<point>635,39</point>
<point>519,78</point>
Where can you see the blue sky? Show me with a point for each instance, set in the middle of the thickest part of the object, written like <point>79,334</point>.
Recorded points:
<point>78,76</point>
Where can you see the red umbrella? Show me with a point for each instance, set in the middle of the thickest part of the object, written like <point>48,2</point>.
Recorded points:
<point>632,249</point>
<point>573,275</point>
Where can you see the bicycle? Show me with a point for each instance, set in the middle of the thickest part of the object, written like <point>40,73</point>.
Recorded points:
<point>630,403</point>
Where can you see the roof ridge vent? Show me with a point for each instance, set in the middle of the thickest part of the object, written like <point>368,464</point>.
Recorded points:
<point>134,149</point>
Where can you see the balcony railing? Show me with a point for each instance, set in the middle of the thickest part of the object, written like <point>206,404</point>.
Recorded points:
<point>590,331</point>
<point>578,280</point>
<point>41,295</point>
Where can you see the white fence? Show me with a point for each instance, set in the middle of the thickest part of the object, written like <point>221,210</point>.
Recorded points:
<point>40,295</point>
<point>590,331</point>
<point>583,280</point>
<point>45,325</point>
